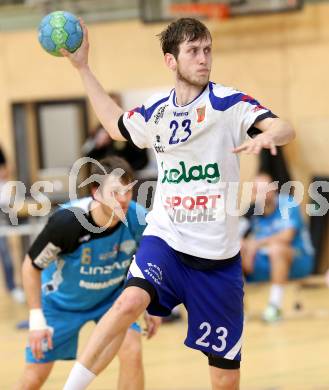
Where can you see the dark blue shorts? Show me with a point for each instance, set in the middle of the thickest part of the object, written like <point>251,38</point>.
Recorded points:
<point>213,298</point>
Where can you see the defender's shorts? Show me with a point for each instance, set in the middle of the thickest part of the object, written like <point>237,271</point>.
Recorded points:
<point>66,326</point>
<point>213,298</point>
<point>301,266</point>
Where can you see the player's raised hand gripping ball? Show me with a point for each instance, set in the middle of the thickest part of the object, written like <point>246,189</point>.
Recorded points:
<point>60,30</point>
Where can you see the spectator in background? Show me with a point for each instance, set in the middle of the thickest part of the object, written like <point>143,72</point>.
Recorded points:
<point>101,145</point>
<point>6,260</point>
<point>277,247</point>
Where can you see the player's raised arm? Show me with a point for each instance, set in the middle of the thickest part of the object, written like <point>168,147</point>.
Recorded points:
<point>107,111</point>
<point>275,132</point>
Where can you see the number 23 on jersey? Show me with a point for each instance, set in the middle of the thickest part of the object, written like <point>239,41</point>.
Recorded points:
<point>177,135</point>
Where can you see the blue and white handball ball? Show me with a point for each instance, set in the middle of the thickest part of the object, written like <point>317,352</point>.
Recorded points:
<point>60,30</point>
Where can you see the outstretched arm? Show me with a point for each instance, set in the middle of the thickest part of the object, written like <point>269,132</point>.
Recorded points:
<point>107,111</point>
<point>275,132</point>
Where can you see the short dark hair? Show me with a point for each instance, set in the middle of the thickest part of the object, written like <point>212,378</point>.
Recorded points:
<point>189,29</point>
<point>108,165</point>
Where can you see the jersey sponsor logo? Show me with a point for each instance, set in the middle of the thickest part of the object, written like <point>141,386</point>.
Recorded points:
<point>113,253</point>
<point>106,269</point>
<point>101,285</point>
<point>192,202</point>
<point>208,172</point>
<point>56,280</point>
<point>160,113</point>
<point>154,272</point>
<point>201,114</point>
<point>159,148</point>
<point>193,216</point>
<point>127,247</point>
<point>47,255</point>
<point>189,209</point>
<point>180,113</point>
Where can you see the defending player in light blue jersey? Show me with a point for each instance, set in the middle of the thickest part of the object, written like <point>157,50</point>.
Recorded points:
<point>75,270</point>
<point>190,249</point>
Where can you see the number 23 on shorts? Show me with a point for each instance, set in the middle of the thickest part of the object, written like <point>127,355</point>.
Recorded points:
<point>221,332</point>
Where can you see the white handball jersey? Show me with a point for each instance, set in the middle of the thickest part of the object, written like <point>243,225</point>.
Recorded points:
<point>196,192</point>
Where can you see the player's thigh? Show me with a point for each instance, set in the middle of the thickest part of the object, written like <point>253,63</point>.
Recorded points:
<point>157,269</point>
<point>34,375</point>
<point>131,348</point>
<point>214,301</point>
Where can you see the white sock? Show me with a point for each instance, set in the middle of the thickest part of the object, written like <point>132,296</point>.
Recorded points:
<point>80,377</point>
<point>276,295</point>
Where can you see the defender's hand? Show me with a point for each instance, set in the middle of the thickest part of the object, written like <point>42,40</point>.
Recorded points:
<point>152,324</point>
<point>40,341</point>
<point>255,145</point>
<point>79,59</point>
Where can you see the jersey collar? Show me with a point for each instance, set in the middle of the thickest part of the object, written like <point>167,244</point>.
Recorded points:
<point>197,97</point>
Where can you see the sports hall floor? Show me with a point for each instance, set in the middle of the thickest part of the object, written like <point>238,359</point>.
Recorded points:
<point>289,355</point>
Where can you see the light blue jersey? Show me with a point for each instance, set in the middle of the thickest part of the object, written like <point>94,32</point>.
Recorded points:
<point>81,269</point>
<point>82,272</point>
<point>284,217</point>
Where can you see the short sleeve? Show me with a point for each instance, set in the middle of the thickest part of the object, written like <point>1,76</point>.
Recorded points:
<point>239,111</point>
<point>133,127</point>
<point>136,125</point>
<point>53,239</point>
<point>246,112</point>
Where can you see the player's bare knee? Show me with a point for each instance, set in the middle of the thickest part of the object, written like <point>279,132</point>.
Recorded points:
<point>130,304</point>
<point>33,378</point>
<point>226,380</point>
<point>278,250</point>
